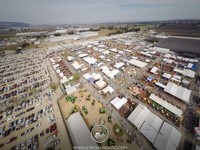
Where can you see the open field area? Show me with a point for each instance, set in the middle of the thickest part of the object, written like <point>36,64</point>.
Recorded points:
<point>92,116</point>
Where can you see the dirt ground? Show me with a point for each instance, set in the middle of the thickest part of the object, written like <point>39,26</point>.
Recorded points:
<point>93,117</point>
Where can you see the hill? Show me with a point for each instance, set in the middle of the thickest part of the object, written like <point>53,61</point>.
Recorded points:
<point>8,25</point>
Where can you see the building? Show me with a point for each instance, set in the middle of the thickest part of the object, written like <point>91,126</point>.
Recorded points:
<point>118,102</point>
<point>100,84</point>
<point>162,135</point>
<point>79,132</point>
<point>178,91</point>
<point>137,63</point>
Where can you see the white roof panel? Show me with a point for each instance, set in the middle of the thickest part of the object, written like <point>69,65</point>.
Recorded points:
<point>178,91</point>
<point>118,103</point>
<point>171,133</point>
<point>137,63</point>
<point>149,132</point>
<point>162,143</point>
<point>154,70</point>
<point>138,116</point>
<point>79,132</point>
<point>166,105</point>
<point>154,121</point>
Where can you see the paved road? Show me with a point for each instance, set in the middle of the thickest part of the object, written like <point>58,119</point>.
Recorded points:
<point>63,135</point>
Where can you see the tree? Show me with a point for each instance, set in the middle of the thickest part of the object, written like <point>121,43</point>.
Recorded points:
<point>65,54</point>
<point>76,76</point>
<point>18,50</point>
<point>53,86</point>
<point>57,34</point>
<point>70,32</point>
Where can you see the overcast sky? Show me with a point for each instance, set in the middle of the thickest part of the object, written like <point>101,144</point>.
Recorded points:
<point>91,11</point>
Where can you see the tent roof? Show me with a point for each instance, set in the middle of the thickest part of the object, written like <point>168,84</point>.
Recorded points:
<point>166,105</point>
<point>154,70</point>
<point>137,63</point>
<point>171,133</point>
<point>162,143</point>
<point>154,121</point>
<point>160,85</point>
<point>79,132</point>
<point>137,117</point>
<point>101,84</point>
<point>178,91</point>
<point>149,132</point>
<point>87,76</point>
<point>118,103</point>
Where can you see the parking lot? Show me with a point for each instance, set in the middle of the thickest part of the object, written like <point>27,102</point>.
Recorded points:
<point>27,119</point>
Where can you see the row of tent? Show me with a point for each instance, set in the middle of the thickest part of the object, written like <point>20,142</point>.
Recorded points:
<point>162,135</point>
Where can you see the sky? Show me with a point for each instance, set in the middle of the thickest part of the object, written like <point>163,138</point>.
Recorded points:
<point>96,11</point>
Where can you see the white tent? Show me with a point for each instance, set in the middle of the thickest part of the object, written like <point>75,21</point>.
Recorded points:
<point>64,80</point>
<point>146,54</point>
<point>160,85</point>
<point>90,60</point>
<point>166,105</point>
<point>154,70</point>
<point>61,74</point>
<point>162,143</point>
<point>149,132</point>
<point>137,63</point>
<point>70,58</point>
<point>138,116</point>
<point>112,74</point>
<point>154,121</point>
<point>79,132</point>
<point>108,89</point>
<point>76,65</point>
<point>118,103</point>
<point>151,125</point>
<point>161,50</point>
<point>87,76</point>
<point>186,72</point>
<point>70,89</point>
<point>168,138</point>
<point>171,133</point>
<point>119,65</point>
<point>189,73</point>
<point>96,76</point>
<point>83,55</point>
<point>178,91</point>
<point>101,84</point>
<point>166,75</point>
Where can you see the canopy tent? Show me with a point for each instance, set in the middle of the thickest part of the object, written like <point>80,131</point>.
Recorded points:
<point>160,85</point>
<point>168,138</point>
<point>178,91</point>
<point>79,132</point>
<point>108,89</point>
<point>166,75</point>
<point>142,114</point>
<point>154,70</point>
<point>118,103</point>
<point>162,143</point>
<point>166,105</point>
<point>171,133</point>
<point>137,63</point>
<point>186,72</point>
<point>154,121</point>
<point>149,132</point>
<point>137,117</point>
<point>101,84</point>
